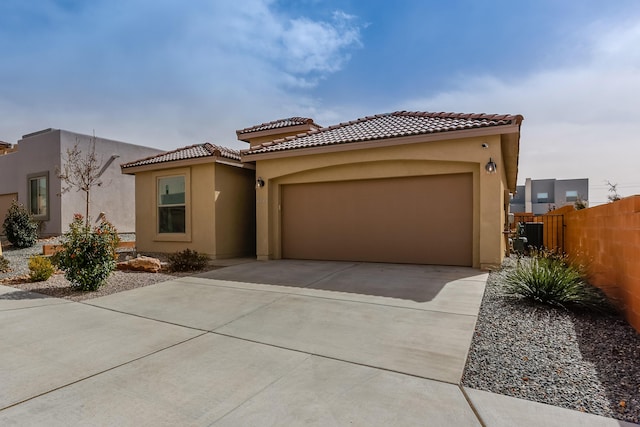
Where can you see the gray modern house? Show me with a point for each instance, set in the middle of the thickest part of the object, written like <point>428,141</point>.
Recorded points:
<point>28,174</point>
<point>539,196</point>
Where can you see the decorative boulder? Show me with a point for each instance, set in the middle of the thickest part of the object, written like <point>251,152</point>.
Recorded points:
<point>141,263</point>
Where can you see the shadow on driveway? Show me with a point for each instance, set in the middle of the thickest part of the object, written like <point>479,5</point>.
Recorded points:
<point>419,283</point>
<point>21,295</point>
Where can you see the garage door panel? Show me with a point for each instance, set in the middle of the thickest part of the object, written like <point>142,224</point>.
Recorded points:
<point>424,220</point>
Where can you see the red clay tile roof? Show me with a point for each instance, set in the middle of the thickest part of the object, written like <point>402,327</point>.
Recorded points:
<point>383,126</point>
<point>185,153</point>
<point>276,124</point>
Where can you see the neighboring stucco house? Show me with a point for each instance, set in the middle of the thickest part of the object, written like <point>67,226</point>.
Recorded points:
<point>200,197</point>
<point>28,174</point>
<point>539,196</point>
<point>405,187</point>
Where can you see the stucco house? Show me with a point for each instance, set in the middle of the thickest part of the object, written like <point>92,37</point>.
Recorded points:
<point>405,187</point>
<point>28,175</point>
<point>199,197</point>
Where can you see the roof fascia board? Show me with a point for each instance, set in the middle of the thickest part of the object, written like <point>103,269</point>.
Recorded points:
<point>386,142</point>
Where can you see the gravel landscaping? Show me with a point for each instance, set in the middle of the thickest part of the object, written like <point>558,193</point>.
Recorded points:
<point>576,360</point>
<point>59,287</point>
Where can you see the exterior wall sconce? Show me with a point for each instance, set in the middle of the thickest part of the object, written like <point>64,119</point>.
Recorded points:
<point>259,182</point>
<point>491,166</point>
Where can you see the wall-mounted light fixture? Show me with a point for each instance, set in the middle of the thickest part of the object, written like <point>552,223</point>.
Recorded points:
<point>491,166</point>
<point>259,182</point>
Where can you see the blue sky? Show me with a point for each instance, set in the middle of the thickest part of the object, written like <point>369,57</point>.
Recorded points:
<point>168,73</point>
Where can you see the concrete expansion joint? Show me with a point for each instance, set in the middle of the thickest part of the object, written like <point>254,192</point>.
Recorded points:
<point>324,356</point>
<point>275,380</point>
<point>103,371</point>
<point>473,408</point>
<point>143,317</point>
<point>333,273</point>
<point>331,295</point>
<point>245,315</point>
<point>38,306</point>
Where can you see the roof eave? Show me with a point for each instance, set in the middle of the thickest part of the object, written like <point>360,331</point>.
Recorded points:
<point>301,128</point>
<point>132,170</point>
<point>385,142</point>
<point>510,146</point>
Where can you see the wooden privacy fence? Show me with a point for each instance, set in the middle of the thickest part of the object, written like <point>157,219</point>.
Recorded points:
<point>552,233</point>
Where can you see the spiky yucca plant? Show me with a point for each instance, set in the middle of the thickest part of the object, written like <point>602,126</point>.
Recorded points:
<point>553,281</point>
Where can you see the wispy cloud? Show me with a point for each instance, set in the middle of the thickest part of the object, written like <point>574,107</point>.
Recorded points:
<point>150,73</point>
<point>580,120</point>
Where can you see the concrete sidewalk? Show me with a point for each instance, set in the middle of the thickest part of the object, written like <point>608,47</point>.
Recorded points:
<point>312,344</point>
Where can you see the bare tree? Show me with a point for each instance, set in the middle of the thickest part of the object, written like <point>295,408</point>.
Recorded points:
<point>81,171</point>
<point>613,192</point>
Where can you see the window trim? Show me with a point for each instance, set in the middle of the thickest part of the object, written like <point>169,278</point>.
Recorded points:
<point>30,177</point>
<point>172,237</point>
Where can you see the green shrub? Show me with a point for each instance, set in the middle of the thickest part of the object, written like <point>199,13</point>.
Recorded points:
<point>4,264</point>
<point>187,260</point>
<point>88,256</point>
<point>19,227</point>
<point>550,279</point>
<point>40,268</point>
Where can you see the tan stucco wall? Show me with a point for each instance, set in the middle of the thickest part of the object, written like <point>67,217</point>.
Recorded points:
<point>235,224</point>
<point>200,214</point>
<point>436,157</point>
<point>220,216</point>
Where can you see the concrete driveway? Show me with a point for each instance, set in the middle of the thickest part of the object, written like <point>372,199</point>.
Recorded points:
<point>262,343</point>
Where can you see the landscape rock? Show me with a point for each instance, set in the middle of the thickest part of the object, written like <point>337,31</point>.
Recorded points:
<point>141,263</point>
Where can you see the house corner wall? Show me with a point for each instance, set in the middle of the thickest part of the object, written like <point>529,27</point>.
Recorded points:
<point>235,218</point>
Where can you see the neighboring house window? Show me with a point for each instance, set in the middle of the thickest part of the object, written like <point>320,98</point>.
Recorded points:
<point>171,205</point>
<point>543,197</point>
<point>38,188</point>
<point>571,196</point>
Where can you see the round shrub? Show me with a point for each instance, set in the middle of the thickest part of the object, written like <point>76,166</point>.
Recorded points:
<point>187,260</point>
<point>40,268</point>
<point>88,256</point>
<point>19,227</point>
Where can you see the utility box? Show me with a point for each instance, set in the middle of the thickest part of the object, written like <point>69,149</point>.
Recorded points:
<point>534,232</point>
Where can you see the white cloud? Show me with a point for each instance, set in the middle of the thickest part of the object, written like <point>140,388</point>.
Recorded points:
<point>311,46</point>
<point>580,121</point>
<point>156,75</point>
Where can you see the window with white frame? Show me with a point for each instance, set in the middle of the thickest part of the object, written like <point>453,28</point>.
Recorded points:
<point>38,197</point>
<point>171,204</point>
<point>571,196</point>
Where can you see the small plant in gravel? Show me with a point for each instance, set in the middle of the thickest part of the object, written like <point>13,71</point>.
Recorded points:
<point>187,260</point>
<point>19,227</point>
<point>40,268</point>
<point>550,279</point>
<point>4,264</point>
<point>88,256</point>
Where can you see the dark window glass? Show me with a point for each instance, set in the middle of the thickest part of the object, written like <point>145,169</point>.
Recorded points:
<point>171,205</point>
